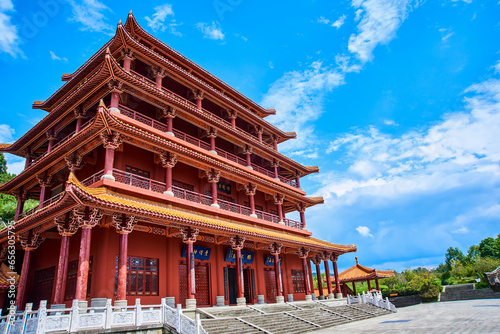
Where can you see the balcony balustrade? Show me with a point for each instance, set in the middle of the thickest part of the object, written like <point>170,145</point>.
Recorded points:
<point>51,200</point>
<point>197,142</point>
<point>159,187</point>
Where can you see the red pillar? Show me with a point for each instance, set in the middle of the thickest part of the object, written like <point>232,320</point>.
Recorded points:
<point>50,145</point>
<point>318,277</point>
<point>168,179</point>
<point>159,80</point>
<point>354,288</point>
<point>170,125</point>
<point>20,205</point>
<point>127,60</point>
<point>115,99</point>
<point>121,291</point>
<point>307,283</point>
<point>279,207</point>
<point>251,199</point>
<point>214,193</point>
<point>259,131</point>
<point>277,270</point>
<point>79,121</point>
<point>62,270</point>
<point>109,161</point>
<point>23,280</point>
<point>328,278</point>
<point>28,160</point>
<point>198,103</point>
<point>239,273</point>
<point>83,264</point>
<point>336,274</point>
<point>213,177</point>
<point>369,285</point>
<point>297,181</point>
<point>275,144</point>
<point>376,282</point>
<point>249,161</point>
<point>190,271</point>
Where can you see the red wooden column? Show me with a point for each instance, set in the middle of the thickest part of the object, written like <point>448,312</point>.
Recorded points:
<point>354,287</point>
<point>232,114</point>
<point>29,158</point>
<point>128,56</point>
<point>44,181</point>
<point>250,190</point>
<point>213,177</point>
<point>168,161</point>
<point>334,258</point>
<point>198,96</point>
<point>86,218</point>
<point>21,198</point>
<point>159,74</point>
<point>259,130</point>
<point>248,152</point>
<point>110,141</point>
<point>317,261</point>
<point>237,244</point>
<point>169,114</point>
<point>303,254</point>
<point>52,137</point>
<point>124,225</point>
<point>66,228</point>
<point>275,164</point>
<point>80,115</point>
<point>326,256</point>
<point>297,179</point>
<point>189,235</point>
<point>29,242</point>
<point>278,200</point>
<point>275,250</point>
<point>275,143</point>
<point>212,134</point>
<point>369,285</point>
<point>301,208</point>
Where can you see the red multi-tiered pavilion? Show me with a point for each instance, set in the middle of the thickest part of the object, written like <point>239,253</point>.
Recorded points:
<point>145,159</point>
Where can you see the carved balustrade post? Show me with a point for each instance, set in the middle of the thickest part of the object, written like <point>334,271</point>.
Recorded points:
<point>278,200</point>
<point>213,177</point>
<point>30,241</point>
<point>250,190</point>
<point>275,250</point>
<point>85,218</point>
<point>66,226</point>
<point>237,244</point>
<point>124,225</point>
<point>189,235</point>
<point>303,254</point>
<point>110,141</point>
<point>168,161</point>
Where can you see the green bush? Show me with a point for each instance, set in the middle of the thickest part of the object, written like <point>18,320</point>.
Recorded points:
<point>429,293</point>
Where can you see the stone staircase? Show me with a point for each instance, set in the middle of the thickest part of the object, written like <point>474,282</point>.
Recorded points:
<point>296,317</point>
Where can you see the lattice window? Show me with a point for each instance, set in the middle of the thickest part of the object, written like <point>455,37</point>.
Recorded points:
<point>298,281</point>
<point>71,279</point>
<point>142,276</point>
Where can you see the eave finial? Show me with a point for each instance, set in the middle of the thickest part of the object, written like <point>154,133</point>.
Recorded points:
<point>120,22</point>
<point>357,260</point>
<point>130,13</point>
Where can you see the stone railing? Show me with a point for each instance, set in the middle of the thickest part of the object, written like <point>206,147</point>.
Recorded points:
<point>372,298</point>
<point>98,319</point>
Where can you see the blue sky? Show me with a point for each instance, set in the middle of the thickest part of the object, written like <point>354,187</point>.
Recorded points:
<point>397,101</point>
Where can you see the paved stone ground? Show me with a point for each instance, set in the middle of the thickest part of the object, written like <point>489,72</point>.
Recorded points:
<point>470,316</point>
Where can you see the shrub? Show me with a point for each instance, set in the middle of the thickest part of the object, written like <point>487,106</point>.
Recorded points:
<point>429,293</point>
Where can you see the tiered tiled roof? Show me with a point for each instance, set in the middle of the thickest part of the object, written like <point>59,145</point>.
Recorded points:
<point>362,273</point>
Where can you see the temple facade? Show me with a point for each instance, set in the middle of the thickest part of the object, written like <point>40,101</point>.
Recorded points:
<point>156,179</point>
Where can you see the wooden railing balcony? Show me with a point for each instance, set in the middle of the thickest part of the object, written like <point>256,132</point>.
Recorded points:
<point>197,142</point>
<point>159,187</point>
<point>51,200</point>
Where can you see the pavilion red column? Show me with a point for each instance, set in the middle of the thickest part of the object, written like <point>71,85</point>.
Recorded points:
<point>198,96</point>
<point>212,134</point>
<point>317,261</point>
<point>354,287</point>
<point>275,165</point>
<point>66,229</point>
<point>80,115</point>
<point>232,116</point>
<point>169,113</point>
<point>29,158</point>
<point>275,250</point>
<point>303,254</point>
<point>52,137</point>
<point>110,142</point>
<point>248,152</point>
<point>168,161</point>
<point>334,259</point>
<point>44,181</point>
<point>189,238</point>
<point>376,283</point>
<point>159,74</point>
<point>259,130</point>
<point>213,177</point>
<point>86,219</point>
<point>369,285</point>
<point>115,100</point>
<point>275,143</point>
<point>297,180</point>
<point>29,242</point>
<point>278,200</point>
<point>124,225</point>
<point>127,60</point>
<point>250,190</point>
<point>301,208</point>
<point>21,198</point>
<point>328,278</point>
<point>237,244</point>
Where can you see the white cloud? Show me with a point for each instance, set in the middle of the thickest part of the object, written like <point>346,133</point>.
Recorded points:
<point>461,230</point>
<point>211,31</point>
<point>9,38</point>
<point>53,56</point>
<point>364,231</point>
<point>380,19</point>
<point>390,122</point>
<point>91,14</point>
<point>157,23</point>
<point>323,20</point>
<point>340,22</point>
<point>6,134</point>
<point>496,67</point>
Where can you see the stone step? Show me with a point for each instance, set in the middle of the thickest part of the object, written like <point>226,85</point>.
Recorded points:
<point>229,326</point>
<point>280,323</point>
<point>275,308</point>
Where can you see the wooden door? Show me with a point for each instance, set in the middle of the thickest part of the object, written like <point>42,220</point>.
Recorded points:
<point>270,282</point>
<point>202,281</point>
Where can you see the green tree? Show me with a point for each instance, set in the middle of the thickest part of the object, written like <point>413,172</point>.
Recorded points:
<point>473,254</point>
<point>489,248</point>
<point>453,254</point>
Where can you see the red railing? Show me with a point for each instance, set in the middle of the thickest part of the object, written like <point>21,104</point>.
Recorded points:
<point>197,142</point>
<point>51,200</point>
<point>61,142</point>
<point>159,187</point>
